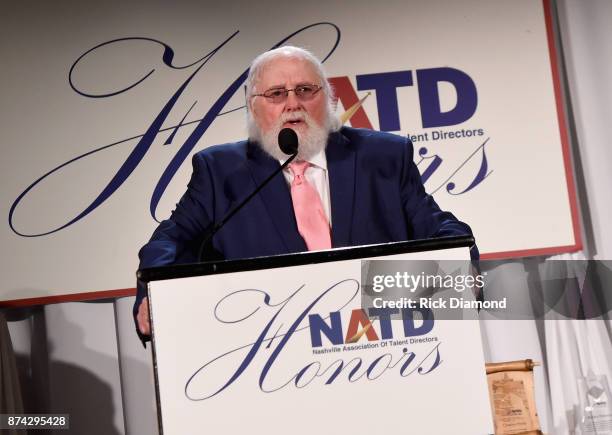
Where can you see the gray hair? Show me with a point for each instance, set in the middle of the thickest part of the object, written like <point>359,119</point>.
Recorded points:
<point>286,51</point>
<point>289,51</point>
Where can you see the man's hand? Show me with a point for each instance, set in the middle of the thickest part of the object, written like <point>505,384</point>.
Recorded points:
<point>143,317</point>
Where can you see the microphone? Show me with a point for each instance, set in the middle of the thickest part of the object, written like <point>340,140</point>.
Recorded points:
<point>288,143</point>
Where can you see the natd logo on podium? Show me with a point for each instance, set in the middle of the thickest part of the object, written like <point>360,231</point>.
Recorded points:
<point>360,324</point>
<point>277,360</point>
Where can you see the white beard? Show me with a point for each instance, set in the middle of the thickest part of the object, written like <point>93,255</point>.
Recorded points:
<point>311,142</point>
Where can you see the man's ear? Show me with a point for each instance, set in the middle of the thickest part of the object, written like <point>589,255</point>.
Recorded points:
<point>249,106</point>
<point>248,101</point>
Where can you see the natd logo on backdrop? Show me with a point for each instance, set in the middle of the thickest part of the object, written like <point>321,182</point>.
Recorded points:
<point>384,83</point>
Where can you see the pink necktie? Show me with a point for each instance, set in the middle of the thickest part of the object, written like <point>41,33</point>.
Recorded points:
<point>311,221</point>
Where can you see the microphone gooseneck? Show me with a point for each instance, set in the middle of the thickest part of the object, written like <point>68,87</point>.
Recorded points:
<point>289,144</point>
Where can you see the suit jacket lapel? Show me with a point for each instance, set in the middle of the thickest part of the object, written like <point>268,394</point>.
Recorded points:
<point>341,166</point>
<point>276,197</point>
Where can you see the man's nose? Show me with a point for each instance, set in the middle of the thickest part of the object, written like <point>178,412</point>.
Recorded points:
<point>292,102</point>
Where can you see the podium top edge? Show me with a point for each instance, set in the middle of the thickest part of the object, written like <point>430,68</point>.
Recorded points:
<point>302,258</point>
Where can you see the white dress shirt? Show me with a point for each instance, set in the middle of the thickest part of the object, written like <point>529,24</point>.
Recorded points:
<point>318,177</point>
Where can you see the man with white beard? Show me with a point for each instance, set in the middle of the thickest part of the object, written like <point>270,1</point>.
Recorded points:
<point>309,111</point>
<point>346,187</point>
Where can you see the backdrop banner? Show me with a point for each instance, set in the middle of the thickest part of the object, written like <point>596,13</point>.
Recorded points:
<point>103,107</point>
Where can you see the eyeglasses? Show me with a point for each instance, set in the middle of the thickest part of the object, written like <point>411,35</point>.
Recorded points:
<point>279,95</point>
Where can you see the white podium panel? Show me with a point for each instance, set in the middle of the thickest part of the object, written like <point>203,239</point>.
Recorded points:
<point>289,350</point>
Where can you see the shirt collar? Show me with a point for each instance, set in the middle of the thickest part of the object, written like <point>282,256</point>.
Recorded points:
<point>317,160</point>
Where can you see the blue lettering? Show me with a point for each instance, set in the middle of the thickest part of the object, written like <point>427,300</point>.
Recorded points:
<point>429,97</point>
<point>384,315</point>
<point>410,329</point>
<point>483,172</point>
<point>375,363</point>
<point>385,85</point>
<point>333,332</point>
<point>434,365</point>
<point>135,156</point>
<point>302,372</point>
<point>145,140</point>
<point>292,329</point>
<point>406,364</point>
<point>436,161</point>
<point>342,366</point>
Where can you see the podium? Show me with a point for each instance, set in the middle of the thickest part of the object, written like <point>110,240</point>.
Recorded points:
<point>281,345</point>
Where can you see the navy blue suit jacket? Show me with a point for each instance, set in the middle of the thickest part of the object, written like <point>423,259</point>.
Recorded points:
<point>376,196</point>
